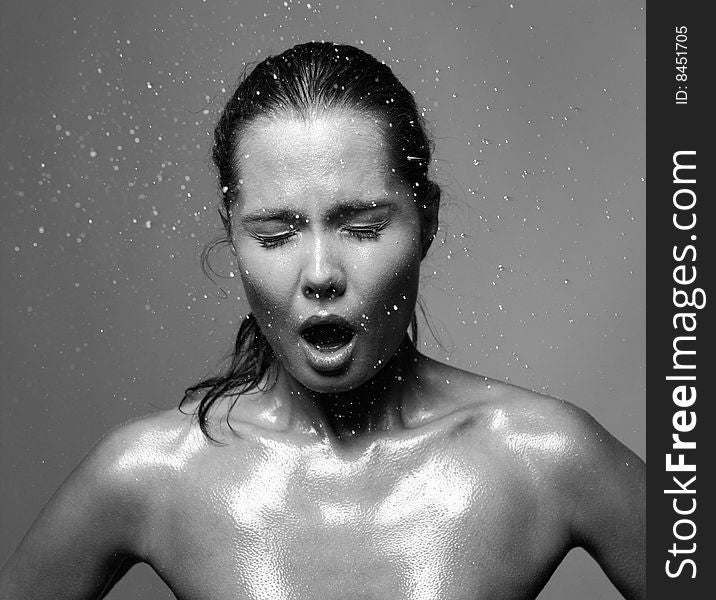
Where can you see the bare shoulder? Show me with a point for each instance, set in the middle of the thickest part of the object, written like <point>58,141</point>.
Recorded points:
<point>558,438</point>
<point>589,484</point>
<point>559,442</point>
<point>100,520</point>
<point>134,465</point>
<point>140,454</point>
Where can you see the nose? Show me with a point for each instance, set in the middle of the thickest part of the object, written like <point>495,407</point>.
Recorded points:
<point>323,276</point>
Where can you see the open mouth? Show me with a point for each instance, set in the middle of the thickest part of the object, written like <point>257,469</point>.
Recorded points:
<point>328,343</point>
<point>328,337</point>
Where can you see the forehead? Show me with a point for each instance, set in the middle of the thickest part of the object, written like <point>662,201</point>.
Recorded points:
<point>329,156</point>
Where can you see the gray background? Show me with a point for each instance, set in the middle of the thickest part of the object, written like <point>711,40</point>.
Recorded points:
<point>537,109</point>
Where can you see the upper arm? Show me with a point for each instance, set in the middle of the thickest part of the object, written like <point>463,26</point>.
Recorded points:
<point>87,534</point>
<point>606,484</point>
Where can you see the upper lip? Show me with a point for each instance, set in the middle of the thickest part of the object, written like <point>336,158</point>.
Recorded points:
<point>325,320</point>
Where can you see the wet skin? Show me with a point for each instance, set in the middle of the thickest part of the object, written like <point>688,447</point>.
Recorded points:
<point>472,489</point>
<point>390,476</point>
<point>478,495</point>
<point>322,226</point>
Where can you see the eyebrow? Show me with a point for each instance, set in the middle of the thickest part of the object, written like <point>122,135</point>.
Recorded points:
<point>286,214</point>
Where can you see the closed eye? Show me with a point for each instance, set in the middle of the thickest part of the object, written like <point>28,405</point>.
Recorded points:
<point>366,232</point>
<point>361,232</point>
<point>273,241</point>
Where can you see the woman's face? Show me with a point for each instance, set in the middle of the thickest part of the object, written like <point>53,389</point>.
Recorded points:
<point>328,245</point>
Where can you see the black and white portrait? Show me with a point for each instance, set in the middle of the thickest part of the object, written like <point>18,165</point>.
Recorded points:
<point>308,300</point>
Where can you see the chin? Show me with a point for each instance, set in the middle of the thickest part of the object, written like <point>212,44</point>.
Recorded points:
<point>352,376</point>
<point>331,382</point>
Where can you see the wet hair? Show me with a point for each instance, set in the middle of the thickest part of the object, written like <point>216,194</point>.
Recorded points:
<point>302,82</point>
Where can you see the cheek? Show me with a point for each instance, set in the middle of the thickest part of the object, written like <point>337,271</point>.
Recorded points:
<point>270,305</point>
<point>267,285</point>
<point>390,280</point>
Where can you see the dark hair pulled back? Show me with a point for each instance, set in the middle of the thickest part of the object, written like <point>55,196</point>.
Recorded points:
<point>303,82</point>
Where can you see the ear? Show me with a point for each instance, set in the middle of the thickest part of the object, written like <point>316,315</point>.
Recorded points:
<point>429,219</point>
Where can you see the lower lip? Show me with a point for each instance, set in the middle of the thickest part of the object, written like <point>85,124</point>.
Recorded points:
<point>328,361</point>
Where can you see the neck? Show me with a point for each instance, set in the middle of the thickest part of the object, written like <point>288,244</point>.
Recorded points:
<point>374,406</point>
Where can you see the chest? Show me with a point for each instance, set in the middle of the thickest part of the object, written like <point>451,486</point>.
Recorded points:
<point>291,527</point>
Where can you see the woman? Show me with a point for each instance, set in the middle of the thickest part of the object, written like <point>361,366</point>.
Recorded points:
<point>332,459</point>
